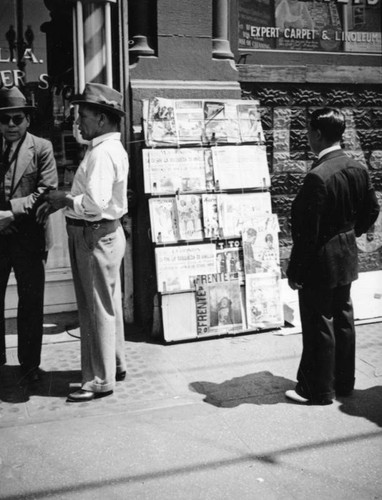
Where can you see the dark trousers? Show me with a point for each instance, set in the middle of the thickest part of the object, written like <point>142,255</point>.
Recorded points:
<point>29,269</point>
<point>328,335</point>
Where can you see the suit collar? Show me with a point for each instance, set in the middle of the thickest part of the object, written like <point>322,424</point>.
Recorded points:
<point>23,160</point>
<point>329,156</point>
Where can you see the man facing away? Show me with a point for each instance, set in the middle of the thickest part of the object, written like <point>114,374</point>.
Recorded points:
<point>335,204</point>
<point>93,209</point>
<point>27,170</point>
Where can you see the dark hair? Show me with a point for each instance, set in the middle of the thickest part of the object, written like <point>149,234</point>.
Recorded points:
<point>330,122</point>
<point>269,237</point>
<point>113,118</point>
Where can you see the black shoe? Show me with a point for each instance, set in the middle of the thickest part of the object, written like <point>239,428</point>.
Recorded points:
<point>320,402</point>
<point>82,396</point>
<point>343,393</point>
<point>119,376</point>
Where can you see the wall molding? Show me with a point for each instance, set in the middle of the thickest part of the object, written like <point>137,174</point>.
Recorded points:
<point>184,84</point>
<point>310,73</point>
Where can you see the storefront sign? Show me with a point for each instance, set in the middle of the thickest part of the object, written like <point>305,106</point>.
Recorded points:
<point>311,25</point>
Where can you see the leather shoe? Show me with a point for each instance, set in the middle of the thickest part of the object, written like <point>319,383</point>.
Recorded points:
<point>320,402</point>
<point>294,396</point>
<point>82,396</point>
<point>119,376</point>
<point>291,394</point>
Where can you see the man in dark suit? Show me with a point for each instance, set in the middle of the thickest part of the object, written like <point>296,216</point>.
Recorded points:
<point>27,170</point>
<point>335,205</point>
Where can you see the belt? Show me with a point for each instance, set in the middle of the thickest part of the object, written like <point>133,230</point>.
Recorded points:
<point>93,224</point>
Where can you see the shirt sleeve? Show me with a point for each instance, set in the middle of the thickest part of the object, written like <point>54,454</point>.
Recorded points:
<point>98,186</point>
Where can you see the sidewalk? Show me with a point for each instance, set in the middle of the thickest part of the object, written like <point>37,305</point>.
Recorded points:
<point>195,420</point>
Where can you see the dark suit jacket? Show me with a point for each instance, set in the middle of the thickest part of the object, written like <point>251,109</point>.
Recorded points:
<point>35,172</point>
<point>336,204</point>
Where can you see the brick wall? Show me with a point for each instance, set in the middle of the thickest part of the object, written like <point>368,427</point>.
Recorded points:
<point>284,110</point>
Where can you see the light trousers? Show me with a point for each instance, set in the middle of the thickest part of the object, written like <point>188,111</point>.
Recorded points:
<point>96,256</point>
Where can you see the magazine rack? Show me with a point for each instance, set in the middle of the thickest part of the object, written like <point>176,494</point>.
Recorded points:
<point>215,238</point>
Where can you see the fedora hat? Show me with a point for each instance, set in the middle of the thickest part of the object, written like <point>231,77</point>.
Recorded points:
<point>13,98</point>
<point>101,96</point>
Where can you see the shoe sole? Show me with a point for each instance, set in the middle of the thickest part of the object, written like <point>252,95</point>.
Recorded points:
<point>97,395</point>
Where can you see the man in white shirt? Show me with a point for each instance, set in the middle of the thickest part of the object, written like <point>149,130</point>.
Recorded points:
<point>93,209</point>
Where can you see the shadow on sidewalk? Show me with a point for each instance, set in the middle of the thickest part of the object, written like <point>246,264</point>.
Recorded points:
<point>54,384</point>
<point>256,388</point>
<point>365,403</point>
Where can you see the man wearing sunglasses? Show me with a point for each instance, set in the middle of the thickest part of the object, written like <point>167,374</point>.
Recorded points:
<point>27,170</point>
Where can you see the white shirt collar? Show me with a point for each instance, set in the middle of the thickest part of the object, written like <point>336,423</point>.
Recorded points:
<point>101,138</point>
<point>328,150</point>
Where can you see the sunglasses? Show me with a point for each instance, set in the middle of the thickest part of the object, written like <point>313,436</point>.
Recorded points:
<point>17,120</point>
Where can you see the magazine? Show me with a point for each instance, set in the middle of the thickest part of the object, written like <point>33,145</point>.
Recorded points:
<point>263,300</point>
<point>241,167</point>
<point>160,126</point>
<point>210,216</point>
<point>239,211</point>
<point>168,170</point>
<point>189,120</point>
<point>189,216</point>
<point>261,245</point>
<point>218,304</point>
<point>209,169</point>
<point>177,266</point>
<point>163,218</point>
<point>249,117</point>
<point>229,258</point>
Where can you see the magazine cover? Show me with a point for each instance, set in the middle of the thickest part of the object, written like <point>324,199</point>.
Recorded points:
<point>177,266</point>
<point>160,126</point>
<point>209,169</point>
<point>218,304</point>
<point>189,121</point>
<point>239,211</point>
<point>163,219</point>
<point>189,216</point>
<point>249,117</point>
<point>261,246</point>
<point>214,122</point>
<point>241,167</point>
<point>264,307</point>
<point>168,170</point>
<point>229,258</point>
<point>210,216</point>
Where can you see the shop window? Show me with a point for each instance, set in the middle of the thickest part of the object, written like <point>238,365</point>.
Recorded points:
<point>36,54</point>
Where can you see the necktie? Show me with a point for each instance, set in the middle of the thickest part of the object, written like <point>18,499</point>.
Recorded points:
<point>6,155</point>
<point>3,170</point>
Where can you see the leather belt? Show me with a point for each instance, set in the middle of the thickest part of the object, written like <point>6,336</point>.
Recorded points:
<point>92,224</point>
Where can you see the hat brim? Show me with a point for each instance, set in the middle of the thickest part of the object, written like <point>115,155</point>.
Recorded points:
<point>24,108</point>
<point>104,107</point>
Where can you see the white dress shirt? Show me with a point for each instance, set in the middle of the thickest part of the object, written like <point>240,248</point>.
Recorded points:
<point>99,187</point>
